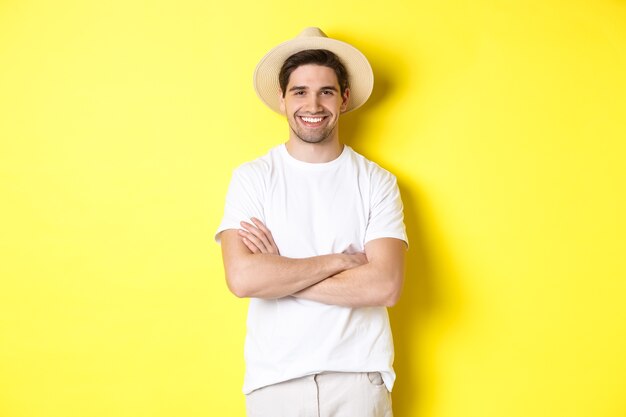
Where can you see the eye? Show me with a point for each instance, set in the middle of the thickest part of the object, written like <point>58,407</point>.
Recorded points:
<point>328,92</point>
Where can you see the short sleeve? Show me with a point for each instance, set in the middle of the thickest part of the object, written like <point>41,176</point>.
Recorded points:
<point>243,198</point>
<point>386,217</point>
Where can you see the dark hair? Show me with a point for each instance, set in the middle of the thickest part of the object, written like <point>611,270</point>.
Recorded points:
<point>321,57</point>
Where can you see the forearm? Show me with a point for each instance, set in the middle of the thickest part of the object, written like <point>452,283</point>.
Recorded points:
<point>376,283</point>
<point>275,276</point>
<point>364,286</point>
<point>254,268</point>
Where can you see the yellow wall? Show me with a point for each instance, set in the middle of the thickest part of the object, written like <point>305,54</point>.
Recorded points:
<point>120,123</point>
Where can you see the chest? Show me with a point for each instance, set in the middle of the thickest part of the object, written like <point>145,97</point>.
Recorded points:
<point>313,214</point>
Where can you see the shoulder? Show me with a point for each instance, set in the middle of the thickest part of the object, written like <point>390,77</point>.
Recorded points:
<point>373,170</point>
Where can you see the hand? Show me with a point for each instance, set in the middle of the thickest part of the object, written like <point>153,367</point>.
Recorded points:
<point>258,238</point>
<point>356,259</point>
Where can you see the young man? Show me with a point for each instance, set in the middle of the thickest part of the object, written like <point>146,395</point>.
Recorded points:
<point>313,234</point>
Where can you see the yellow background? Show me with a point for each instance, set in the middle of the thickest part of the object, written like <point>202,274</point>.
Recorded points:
<point>120,124</point>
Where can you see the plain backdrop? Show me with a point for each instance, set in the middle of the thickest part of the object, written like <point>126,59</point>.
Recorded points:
<point>121,122</point>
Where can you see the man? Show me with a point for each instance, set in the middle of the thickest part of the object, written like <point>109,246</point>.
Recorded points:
<point>313,234</point>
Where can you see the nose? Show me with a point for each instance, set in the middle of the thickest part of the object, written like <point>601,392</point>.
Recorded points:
<point>313,103</point>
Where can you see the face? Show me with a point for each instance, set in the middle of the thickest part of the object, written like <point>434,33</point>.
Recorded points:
<point>313,103</point>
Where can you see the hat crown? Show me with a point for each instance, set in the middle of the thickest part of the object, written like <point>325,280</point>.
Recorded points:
<point>312,32</point>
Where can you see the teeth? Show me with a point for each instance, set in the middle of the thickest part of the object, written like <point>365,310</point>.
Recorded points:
<point>312,119</point>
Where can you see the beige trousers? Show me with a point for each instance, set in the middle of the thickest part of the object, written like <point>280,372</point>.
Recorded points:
<point>329,394</point>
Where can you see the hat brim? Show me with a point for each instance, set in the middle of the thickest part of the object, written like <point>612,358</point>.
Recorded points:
<point>360,74</point>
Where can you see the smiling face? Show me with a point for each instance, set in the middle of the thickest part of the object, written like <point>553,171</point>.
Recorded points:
<point>312,103</point>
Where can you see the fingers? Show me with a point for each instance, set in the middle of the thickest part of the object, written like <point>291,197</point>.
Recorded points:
<point>359,258</point>
<point>253,248</point>
<point>257,237</point>
<point>356,259</point>
<point>267,233</point>
<point>251,240</point>
<point>258,223</point>
<point>363,258</point>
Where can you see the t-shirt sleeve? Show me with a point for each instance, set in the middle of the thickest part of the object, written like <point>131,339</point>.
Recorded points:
<point>243,199</point>
<point>386,210</point>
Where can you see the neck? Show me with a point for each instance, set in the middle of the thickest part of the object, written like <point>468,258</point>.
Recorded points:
<point>314,153</point>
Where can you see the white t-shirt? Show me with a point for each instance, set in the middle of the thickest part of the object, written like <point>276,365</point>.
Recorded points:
<point>315,209</point>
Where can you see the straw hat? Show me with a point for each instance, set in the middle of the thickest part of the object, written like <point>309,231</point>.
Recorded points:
<point>360,75</point>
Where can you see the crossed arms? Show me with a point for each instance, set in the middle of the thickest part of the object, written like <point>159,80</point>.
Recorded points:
<point>255,268</point>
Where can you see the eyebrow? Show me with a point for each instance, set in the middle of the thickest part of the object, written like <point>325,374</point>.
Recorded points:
<point>303,87</point>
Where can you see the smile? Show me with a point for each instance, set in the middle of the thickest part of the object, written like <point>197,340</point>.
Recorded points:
<point>312,121</point>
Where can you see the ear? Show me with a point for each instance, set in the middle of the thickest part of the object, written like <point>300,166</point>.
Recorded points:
<point>345,99</point>
<point>282,101</point>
